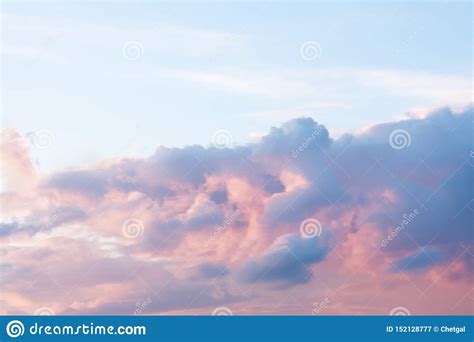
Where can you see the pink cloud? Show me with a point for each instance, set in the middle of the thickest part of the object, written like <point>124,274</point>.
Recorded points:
<point>187,230</point>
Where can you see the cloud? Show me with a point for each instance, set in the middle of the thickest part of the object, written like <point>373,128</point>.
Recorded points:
<point>432,174</point>
<point>79,182</point>
<point>17,168</point>
<point>212,221</point>
<point>43,220</point>
<point>286,260</point>
<point>209,270</point>
<point>302,86</point>
<point>421,259</point>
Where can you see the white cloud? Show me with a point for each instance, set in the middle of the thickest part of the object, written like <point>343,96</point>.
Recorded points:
<point>330,87</point>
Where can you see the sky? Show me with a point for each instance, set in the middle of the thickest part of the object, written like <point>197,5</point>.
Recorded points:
<point>236,158</point>
<point>236,67</point>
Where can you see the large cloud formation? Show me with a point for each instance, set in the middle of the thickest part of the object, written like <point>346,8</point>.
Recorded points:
<point>190,229</point>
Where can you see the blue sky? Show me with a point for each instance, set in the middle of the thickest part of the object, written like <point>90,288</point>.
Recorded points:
<point>209,66</point>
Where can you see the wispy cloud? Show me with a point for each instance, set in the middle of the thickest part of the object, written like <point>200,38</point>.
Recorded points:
<point>58,40</point>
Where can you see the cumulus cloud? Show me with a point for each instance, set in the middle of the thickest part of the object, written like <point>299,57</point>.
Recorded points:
<point>212,221</point>
<point>17,168</point>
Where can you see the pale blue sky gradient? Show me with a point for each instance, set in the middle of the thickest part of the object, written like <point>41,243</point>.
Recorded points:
<point>233,66</point>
